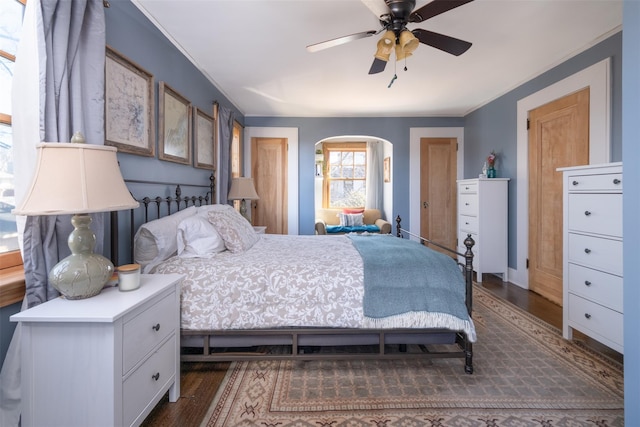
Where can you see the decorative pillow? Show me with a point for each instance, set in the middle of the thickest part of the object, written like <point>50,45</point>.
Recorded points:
<point>156,240</point>
<point>197,237</point>
<point>235,230</point>
<point>353,210</point>
<point>351,220</point>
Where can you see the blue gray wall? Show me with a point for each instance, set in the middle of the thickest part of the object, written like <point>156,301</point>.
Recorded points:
<point>494,126</point>
<point>631,206</point>
<point>132,34</point>
<point>312,130</point>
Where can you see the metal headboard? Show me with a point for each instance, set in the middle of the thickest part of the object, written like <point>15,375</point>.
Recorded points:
<point>154,205</point>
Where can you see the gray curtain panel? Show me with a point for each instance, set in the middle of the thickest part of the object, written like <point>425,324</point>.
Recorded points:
<point>225,118</point>
<point>74,38</point>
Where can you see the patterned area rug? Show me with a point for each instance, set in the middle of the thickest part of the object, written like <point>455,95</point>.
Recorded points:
<point>525,375</point>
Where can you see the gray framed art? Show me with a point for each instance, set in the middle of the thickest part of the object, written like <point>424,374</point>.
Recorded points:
<point>204,141</point>
<point>129,106</point>
<point>174,126</point>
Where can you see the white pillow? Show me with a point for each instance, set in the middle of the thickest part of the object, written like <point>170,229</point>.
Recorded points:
<point>156,240</point>
<point>236,231</point>
<point>197,237</point>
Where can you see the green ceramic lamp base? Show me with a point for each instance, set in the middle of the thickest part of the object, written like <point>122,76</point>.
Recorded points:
<point>82,274</point>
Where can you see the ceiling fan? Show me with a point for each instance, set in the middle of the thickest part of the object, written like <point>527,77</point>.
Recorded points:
<point>394,18</point>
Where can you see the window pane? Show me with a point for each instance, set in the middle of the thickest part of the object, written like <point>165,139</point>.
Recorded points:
<point>10,25</point>
<point>347,193</point>
<point>335,171</point>
<point>360,157</point>
<point>359,172</point>
<point>8,231</point>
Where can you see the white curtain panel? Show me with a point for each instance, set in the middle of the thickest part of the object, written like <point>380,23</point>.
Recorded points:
<point>225,136</point>
<point>375,184</point>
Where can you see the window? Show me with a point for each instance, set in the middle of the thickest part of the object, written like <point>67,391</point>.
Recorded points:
<point>345,175</point>
<point>11,272</point>
<point>236,156</point>
<point>10,26</point>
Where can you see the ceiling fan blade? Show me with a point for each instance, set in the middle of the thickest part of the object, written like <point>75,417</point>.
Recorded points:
<point>440,41</point>
<point>436,7</point>
<point>340,40</point>
<point>377,66</point>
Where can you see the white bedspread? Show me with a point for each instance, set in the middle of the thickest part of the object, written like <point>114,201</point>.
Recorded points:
<point>285,281</point>
<point>313,281</point>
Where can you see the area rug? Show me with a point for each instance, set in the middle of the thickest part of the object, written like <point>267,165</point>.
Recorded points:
<point>525,374</point>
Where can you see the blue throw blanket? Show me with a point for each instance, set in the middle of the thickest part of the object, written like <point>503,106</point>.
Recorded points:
<point>407,284</point>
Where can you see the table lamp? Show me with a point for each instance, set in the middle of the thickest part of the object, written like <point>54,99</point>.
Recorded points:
<point>77,178</point>
<point>243,189</point>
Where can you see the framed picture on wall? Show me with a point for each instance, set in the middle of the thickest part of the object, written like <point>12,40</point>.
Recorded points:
<point>174,127</point>
<point>129,106</point>
<point>204,142</point>
<point>387,169</point>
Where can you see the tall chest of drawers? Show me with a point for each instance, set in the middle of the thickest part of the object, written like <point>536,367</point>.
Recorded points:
<point>101,361</point>
<point>483,213</point>
<point>592,270</point>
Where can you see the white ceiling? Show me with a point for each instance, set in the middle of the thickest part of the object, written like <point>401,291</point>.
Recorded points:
<point>254,52</point>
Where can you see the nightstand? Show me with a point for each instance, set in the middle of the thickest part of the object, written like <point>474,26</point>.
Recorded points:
<point>260,229</point>
<point>101,361</point>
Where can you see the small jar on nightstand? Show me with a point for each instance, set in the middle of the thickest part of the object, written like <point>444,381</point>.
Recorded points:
<point>260,229</point>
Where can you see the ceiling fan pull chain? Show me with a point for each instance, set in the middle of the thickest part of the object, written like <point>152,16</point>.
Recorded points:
<point>392,80</point>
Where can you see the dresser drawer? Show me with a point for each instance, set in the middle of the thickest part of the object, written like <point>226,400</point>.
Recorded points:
<point>145,331</point>
<point>596,252</point>
<point>596,318</point>
<point>594,285</point>
<point>604,182</point>
<point>596,213</point>
<point>468,204</point>
<point>468,224</point>
<point>468,187</point>
<point>149,379</point>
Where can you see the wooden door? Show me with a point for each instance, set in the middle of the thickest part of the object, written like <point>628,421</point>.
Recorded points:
<point>558,137</point>
<point>438,171</point>
<point>269,172</point>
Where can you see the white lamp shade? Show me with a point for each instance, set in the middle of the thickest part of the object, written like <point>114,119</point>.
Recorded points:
<point>242,188</point>
<point>75,178</point>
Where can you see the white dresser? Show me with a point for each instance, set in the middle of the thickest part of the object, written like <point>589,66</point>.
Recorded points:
<point>483,213</point>
<point>592,271</point>
<point>101,361</point>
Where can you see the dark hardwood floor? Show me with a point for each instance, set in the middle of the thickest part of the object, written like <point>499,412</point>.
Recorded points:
<point>200,381</point>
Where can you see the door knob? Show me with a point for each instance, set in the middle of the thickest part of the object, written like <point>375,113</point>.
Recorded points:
<point>425,205</point>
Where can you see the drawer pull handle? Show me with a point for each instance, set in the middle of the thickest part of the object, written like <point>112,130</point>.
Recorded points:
<point>156,327</point>
<point>587,213</point>
<point>616,181</point>
<point>466,204</point>
<point>587,250</point>
<point>466,188</point>
<point>575,183</point>
<point>156,376</point>
<point>587,283</point>
<point>587,315</point>
<point>466,223</point>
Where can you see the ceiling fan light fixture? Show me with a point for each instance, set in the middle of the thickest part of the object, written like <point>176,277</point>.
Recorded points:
<point>385,45</point>
<point>407,43</point>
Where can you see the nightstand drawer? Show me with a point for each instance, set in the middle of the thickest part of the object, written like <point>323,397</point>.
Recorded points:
<point>596,318</point>
<point>149,379</point>
<point>468,204</point>
<point>596,252</point>
<point>596,213</point>
<point>595,285</point>
<point>145,331</point>
<point>604,182</point>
